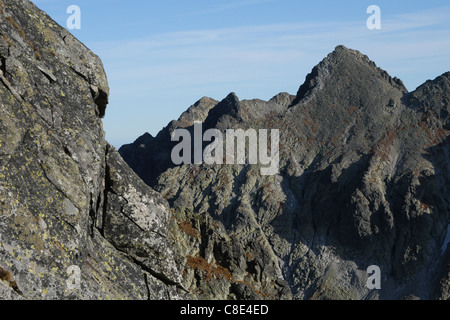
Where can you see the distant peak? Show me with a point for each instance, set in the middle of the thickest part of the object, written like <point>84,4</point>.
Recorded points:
<point>197,112</point>
<point>342,54</point>
<point>232,97</point>
<point>205,100</point>
<point>342,48</point>
<point>144,139</point>
<point>230,106</point>
<point>342,63</point>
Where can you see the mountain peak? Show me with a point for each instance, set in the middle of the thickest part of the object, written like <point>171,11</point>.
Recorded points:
<point>341,66</point>
<point>197,112</point>
<point>228,107</point>
<point>344,50</point>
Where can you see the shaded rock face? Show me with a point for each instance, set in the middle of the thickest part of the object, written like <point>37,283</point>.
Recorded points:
<point>363,180</point>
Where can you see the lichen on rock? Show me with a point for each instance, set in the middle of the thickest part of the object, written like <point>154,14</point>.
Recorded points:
<point>363,180</point>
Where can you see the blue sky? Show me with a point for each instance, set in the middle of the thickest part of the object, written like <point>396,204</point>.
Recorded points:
<point>162,56</point>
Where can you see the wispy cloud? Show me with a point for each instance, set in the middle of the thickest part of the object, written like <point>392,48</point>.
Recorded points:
<point>223,7</point>
<point>262,60</point>
<point>283,34</point>
<point>416,20</point>
<point>281,44</point>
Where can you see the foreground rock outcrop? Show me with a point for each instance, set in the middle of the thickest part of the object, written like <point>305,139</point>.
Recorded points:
<point>363,180</point>
<point>75,221</point>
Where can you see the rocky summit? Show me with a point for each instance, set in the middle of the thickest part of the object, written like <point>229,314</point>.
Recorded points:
<point>363,181</point>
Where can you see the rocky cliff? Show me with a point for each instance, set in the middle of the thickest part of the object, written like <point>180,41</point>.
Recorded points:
<point>363,180</point>
<point>75,221</point>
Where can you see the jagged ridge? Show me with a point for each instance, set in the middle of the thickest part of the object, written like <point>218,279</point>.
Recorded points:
<point>351,189</point>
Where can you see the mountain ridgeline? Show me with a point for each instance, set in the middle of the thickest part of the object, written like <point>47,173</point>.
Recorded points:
<point>363,181</point>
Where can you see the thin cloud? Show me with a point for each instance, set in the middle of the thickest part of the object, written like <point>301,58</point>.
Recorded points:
<point>283,35</point>
<point>416,20</point>
<point>225,7</point>
<point>262,60</point>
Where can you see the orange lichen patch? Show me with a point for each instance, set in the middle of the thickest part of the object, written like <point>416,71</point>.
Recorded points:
<point>309,142</point>
<point>435,136</point>
<point>224,177</point>
<point>187,228</point>
<point>8,41</point>
<point>215,225</point>
<point>210,271</point>
<point>24,36</point>
<point>307,122</point>
<point>219,272</point>
<point>352,110</point>
<point>383,146</point>
<point>17,27</point>
<point>7,277</point>
<point>58,245</point>
<point>263,294</point>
